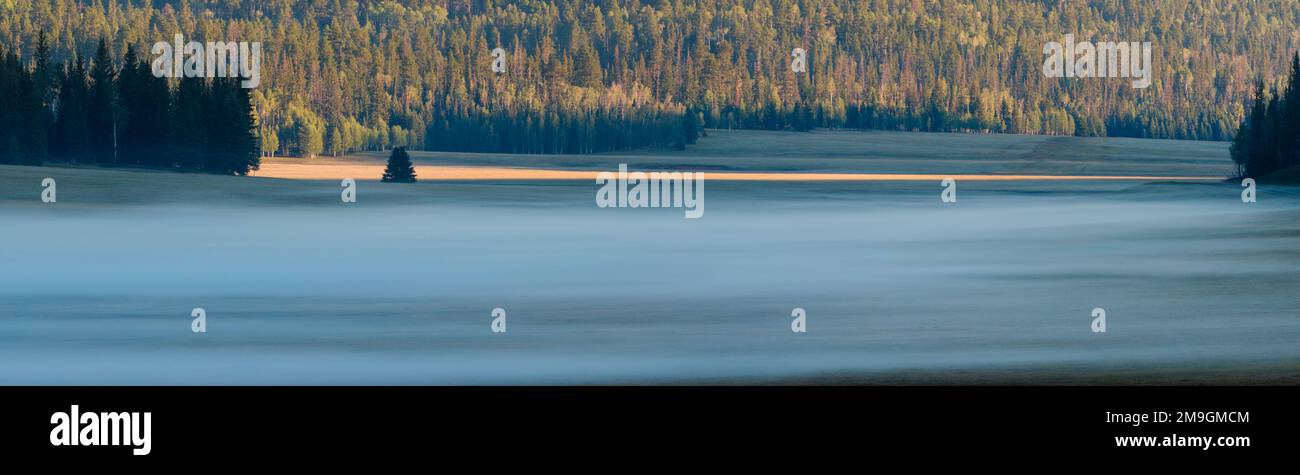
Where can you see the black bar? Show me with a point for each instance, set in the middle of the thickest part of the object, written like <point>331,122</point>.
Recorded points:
<point>394,423</point>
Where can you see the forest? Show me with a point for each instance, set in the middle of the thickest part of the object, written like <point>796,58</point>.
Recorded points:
<point>122,116</point>
<point>340,76</point>
<point>1268,139</point>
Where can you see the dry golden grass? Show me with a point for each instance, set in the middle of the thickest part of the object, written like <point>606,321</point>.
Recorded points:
<point>317,170</point>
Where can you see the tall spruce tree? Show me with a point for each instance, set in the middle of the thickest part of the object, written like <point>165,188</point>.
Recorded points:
<point>145,100</point>
<point>231,131</point>
<point>10,73</point>
<point>102,113</point>
<point>70,138</point>
<point>399,169</point>
<point>189,126</point>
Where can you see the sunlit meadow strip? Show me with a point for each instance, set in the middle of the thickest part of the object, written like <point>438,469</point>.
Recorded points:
<point>322,171</point>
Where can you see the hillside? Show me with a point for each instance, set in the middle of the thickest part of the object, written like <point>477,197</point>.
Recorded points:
<point>582,77</point>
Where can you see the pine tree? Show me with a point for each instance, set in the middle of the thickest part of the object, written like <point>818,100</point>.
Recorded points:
<point>399,169</point>
<point>690,126</point>
<point>145,118</point>
<point>42,73</point>
<point>9,72</point>
<point>588,72</point>
<point>42,84</point>
<point>70,139</point>
<point>129,98</point>
<point>102,115</point>
<point>188,125</point>
<point>336,142</point>
<point>32,129</point>
<point>231,132</point>
<point>245,145</point>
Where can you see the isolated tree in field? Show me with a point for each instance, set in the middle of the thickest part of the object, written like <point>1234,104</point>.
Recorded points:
<point>399,167</point>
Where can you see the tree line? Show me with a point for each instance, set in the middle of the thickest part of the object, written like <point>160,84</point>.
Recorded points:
<point>102,113</point>
<point>587,76</point>
<point>1268,139</point>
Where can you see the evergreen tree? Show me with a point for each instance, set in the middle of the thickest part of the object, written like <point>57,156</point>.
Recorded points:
<point>32,130</point>
<point>690,126</point>
<point>102,113</point>
<point>9,119</point>
<point>231,132</point>
<point>145,100</point>
<point>188,135</point>
<point>336,142</point>
<point>42,119</point>
<point>44,76</point>
<point>399,169</point>
<point>588,72</point>
<point>70,138</point>
<point>243,142</point>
